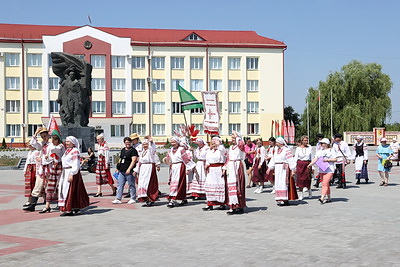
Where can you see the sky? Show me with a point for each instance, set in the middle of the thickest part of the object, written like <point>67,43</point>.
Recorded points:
<point>321,35</point>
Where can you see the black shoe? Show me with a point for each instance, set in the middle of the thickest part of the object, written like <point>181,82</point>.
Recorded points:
<point>45,210</point>
<point>358,181</point>
<point>239,211</point>
<point>127,196</point>
<point>222,207</point>
<point>231,212</point>
<point>76,210</point>
<point>114,191</point>
<point>321,201</point>
<point>56,208</point>
<point>29,208</point>
<point>208,208</point>
<point>26,205</point>
<point>97,195</point>
<point>366,181</point>
<point>67,214</point>
<point>183,203</point>
<point>171,205</point>
<point>339,186</point>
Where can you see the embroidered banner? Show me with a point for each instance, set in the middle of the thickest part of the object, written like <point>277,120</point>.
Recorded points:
<point>211,112</point>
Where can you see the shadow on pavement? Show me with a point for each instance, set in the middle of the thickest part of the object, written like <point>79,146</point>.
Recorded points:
<point>254,209</point>
<point>92,210</point>
<point>339,199</point>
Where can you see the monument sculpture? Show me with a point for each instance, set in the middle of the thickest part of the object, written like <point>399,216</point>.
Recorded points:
<point>74,96</point>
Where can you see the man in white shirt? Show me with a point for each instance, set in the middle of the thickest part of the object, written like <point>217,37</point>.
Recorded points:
<point>394,146</point>
<point>342,150</point>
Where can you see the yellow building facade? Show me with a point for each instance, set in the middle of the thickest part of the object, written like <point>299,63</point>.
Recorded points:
<point>134,78</point>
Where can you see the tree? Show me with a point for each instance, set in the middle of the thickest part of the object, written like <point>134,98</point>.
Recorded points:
<point>3,144</point>
<point>359,100</point>
<point>291,115</point>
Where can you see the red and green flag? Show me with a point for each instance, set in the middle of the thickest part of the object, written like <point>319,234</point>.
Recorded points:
<point>53,127</point>
<point>188,101</point>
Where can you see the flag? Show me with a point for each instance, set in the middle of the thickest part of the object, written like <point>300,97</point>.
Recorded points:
<point>53,127</point>
<point>272,128</point>
<point>277,133</point>
<point>188,101</point>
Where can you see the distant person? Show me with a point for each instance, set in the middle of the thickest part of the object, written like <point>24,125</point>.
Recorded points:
<point>303,156</point>
<point>318,146</point>
<point>249,149</point>
<point>259,166</point>
<point>394,146</point>
<point>271,150</point>
<point>198,184</point>
<point>383,153</point>
<point>103,174</point>
<point>30,172</point>
<point>90,159</point>
<point>360,155</point>
<point>343,154</point>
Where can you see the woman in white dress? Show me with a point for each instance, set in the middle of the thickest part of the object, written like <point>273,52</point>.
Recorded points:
<point>360,156</point>
<point>198,190</point>
<point>259,166</point>
<point>303,156</point>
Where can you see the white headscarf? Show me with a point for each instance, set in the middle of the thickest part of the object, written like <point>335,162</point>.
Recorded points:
<point>145,141</point>
<point>200,140</point>
<point>176,139</point>
<point>74,141</point>
<point>183,142</point>
<point>280,140</point>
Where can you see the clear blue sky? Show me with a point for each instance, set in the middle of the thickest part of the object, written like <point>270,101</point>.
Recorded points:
<point>321,35</point>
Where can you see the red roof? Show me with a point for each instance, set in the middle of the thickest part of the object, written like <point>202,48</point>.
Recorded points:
<point>161,37</point>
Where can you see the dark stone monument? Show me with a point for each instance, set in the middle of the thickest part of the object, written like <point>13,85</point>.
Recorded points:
<point>74,97</point>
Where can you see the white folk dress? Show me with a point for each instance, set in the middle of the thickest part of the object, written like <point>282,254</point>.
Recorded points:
<point>281,162</point>
<point>215,182</point>
<point>71,166</point>
<point>198,185</point>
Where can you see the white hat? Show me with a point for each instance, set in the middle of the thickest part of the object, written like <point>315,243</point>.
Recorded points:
<point>383,139</point>
<point>394,139</point>
<point>325,141</point>
<point>280,140</point>
<point>73,140</point>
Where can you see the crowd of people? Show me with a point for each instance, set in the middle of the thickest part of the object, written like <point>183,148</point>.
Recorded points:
<point>211,173</point>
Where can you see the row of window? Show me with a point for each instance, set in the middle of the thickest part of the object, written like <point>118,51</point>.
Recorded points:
<point>35,83</point>
<point>36,106</point>
<point>14,130</point>
<point>118,62</point>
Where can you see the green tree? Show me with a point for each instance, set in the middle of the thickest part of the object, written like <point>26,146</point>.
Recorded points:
<point>359,100</point>
<point>290,115</point>
<point>4,144</point>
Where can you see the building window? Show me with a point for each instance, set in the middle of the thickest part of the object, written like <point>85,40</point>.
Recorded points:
<point>176,127</point>
<point>13,130</point>
<point>158,63</point>
<point>158,85</point>
<point>35,106</point>
<point>118,84</point>
<point>252,107</point>
<point>98,61</point>
<point>194,37</point>
<point>54,107</point>
<point>12,59</point>
<point>215,63</point>
<point>196,85</point>
<point>138,84</point>
<point>252,85</point>
<point>139,107</point>
<point>12,83</point>
<point>175,83</point>
<point>118,62</point>
<point>138,62</point>
<point>98,106</point>
<point>253,128</point>
<point>50,60</point>
<point>200,127</point>
<point>12,106</point>
<point>234,107</point>
<point>234,127</point>
<point>197,111</point>
<point>234,63</point>
<point>176,108</point>
<point>118,107</point>
<point>215,85</point>
<point>98,84</point>
<point>177,63</point>
<point>54,83</point>
<point>32,128</point>
<point>158,108</point>
<point>34,60</point>
<point>140,129</point>
<point>117,130</point>
<point>196,63</point>
<point>34,83</point>
<point>158,129</point>
<point>234,85</point>
<point>252,63</point>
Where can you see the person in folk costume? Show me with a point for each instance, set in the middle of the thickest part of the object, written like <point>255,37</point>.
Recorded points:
<point>127,162</point>
<point>55,152</point>
<point>394,146</point>
<point>189,173</point>
<point>303,156</point>
<point>146,168</point>
<point>179,161</point>
<point>215,185</point>
<point>329,156</point>
<point>343,154</point>
<point>103,174</point>
<point>271,150</point>
<point>284,165</point>
<point>236,179</point>
<point>250,150</point>
<point>318,146</point>
<point>383,153</point>
<point>30,172</point>
<point>42,167</point>
<point>198,185</point>
<point>360,156</point>
<point>259,167</point>
<point>72,195</point>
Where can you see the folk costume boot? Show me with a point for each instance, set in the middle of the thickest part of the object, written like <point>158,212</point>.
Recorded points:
<point>31,207</point>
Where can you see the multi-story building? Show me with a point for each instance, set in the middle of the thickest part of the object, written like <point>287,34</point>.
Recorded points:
<point>135,72</point>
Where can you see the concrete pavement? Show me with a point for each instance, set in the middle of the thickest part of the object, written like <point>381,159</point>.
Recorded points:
<point>359,228</point>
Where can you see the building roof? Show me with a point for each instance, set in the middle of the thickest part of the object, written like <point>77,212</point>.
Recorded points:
<point>157,37</point>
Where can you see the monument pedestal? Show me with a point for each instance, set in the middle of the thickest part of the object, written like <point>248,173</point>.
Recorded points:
<point>85,136</point>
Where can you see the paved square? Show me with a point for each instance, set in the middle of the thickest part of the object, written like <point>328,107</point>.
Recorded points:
<point>361,227</point>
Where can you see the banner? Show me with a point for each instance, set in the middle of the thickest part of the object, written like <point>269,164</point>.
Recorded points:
<point>211,112</point>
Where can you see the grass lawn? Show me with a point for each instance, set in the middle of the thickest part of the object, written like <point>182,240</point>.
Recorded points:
<point>8,161</point>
